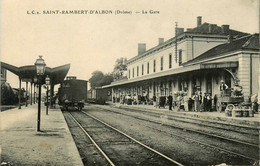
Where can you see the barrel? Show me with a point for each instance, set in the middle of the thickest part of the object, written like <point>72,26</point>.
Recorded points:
<point>227,112</point>
<point>245,112</point>
<point>251,112</point>
<point>236,112</point>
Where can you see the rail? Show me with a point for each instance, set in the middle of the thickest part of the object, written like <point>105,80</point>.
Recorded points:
<point>138,142</point>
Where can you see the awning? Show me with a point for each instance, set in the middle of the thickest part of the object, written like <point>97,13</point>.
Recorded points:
<point>175,71</point>
<point>27,73</point>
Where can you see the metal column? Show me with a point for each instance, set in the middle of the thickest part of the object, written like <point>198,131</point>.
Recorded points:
<point>19,97</point>
<point>39,109</point>
<point>26,103</point>
<point>34,93</point>
<point>31,93</point>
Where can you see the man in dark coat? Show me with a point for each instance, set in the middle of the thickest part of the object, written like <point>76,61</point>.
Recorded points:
<point>170,102</point>
<point>209,98</point>
<point>205,102</point>
<point>215,102</point>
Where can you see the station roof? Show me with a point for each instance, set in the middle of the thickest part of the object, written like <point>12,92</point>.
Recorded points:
<point>27,73</point>
<point>250,42</point>
<point>202,31</point>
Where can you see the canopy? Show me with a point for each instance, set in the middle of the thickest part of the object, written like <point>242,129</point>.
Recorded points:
<point>28,73</point>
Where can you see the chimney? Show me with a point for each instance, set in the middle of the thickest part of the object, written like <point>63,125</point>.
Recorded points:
<point>160,41</point>
<point>189,29</point>
<point>141,48</point>
<point>211,27</point>
<point>230,38</point>
<point>179,31</point>
<point>199,19</point>
<point>225,29</point>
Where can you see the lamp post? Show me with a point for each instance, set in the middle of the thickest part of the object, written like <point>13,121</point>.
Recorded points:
<point>40,70</point>
<point>47,82</point>
<point>35,81</point>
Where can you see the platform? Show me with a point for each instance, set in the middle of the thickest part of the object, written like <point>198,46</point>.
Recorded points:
<point>253,122</point>
<point>21,144</point>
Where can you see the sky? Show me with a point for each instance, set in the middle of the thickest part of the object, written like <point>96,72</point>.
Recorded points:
<point>92,42</point>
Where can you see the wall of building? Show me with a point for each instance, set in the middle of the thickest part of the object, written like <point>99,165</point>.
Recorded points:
<point>255,73</point>
<point>245,75</point>
<point>201,45</point>
<point>189,47</point>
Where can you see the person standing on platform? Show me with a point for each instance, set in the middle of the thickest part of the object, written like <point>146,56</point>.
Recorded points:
<point>175,95</point>
<point>186,100</point>
<point>209,102</point>
<point>205,102</point>
<point>223,87</point>
<point>215,102</point>
<point>179,101</point>
<point>154,100</point>
<point>200,97</point>
<point>190,103</point>
<point>197,99</point>
<point>170,102</point>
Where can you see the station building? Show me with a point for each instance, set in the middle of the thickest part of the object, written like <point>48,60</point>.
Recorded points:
<point>200,57</point>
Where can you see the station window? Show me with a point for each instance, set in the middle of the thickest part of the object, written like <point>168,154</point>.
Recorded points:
<point>180,57</point>
<point>154,65</point>
<point>137,71</point>
<point>142,69</point>
<point>170,60</point>
<point>148,67</point>
<point>129,73</point>
<point>133,72</point>
<point>161,63</point>
<point>176,57</point>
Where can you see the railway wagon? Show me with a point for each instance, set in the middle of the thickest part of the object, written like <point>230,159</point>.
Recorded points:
<point>72,94</point>
<point>99,95</point>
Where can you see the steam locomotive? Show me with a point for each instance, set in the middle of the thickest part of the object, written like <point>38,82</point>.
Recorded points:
<point>72,94</point>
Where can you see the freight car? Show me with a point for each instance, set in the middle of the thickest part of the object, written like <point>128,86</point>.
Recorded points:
<point>72,94</point>
<point>99,95</point>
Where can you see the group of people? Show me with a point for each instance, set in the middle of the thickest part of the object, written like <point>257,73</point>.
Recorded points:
<point>201,103</point>
<point>135,99</point>
<point>197,102</point>
<point>181,101</point>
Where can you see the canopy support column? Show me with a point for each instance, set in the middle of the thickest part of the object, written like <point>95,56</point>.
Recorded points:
<point>19,93</point>
<point>26,92</point>
<point>31,94</point>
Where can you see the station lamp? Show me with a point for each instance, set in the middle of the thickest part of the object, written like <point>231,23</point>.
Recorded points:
<point>40,66</point>
<point>40,70</point>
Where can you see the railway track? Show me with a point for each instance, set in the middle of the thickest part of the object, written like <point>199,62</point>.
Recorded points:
<point>218,125</point>
<point>251,154</point>
<point>119,136</point>
<point>252,135</point>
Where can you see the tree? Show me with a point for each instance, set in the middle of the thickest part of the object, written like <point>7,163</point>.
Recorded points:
<point>119,68</point>
<point>107,79</point>
<point>95,80</point>
<point>120,64</point>
<point>98,79</point>
<point>7,94</point>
